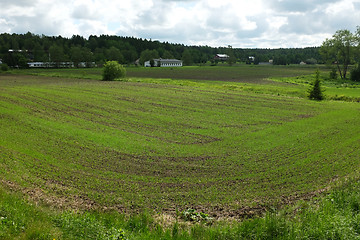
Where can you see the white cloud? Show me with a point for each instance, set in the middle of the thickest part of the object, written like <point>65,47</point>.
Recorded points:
<point>241,23</point>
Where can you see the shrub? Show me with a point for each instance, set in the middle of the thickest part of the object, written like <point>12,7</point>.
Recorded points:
<point>4,67</point>
<point>193,216</point>
<point>113,70</point>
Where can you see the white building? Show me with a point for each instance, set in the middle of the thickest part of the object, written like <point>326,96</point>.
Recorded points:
<point>165,63</point>
<point>60,65</point>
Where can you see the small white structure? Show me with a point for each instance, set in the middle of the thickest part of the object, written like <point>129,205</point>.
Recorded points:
<point>165,63</point>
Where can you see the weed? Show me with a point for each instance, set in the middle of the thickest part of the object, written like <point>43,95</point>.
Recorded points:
<point>193,216</point>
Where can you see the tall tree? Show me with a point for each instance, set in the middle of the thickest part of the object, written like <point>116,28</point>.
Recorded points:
<point>340,49</point>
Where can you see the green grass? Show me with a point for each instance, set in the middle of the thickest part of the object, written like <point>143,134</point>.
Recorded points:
<point>333,216</point>
<point>292,80</point>
<point>343,90</point>
<point>162,145</point>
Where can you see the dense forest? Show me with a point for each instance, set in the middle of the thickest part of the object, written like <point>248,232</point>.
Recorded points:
<point>19,49</point>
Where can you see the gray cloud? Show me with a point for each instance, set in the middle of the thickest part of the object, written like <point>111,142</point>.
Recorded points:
<point>82,12</point>
<point>256,23</point>
<point>20,3</point>
<point>299,6</point>
<point>39,25</point>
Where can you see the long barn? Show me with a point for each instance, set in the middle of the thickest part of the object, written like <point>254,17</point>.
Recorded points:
<point>164,63</point>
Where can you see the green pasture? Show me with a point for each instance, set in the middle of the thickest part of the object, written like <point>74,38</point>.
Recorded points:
<point>292,80</point>
<point>166,144</point>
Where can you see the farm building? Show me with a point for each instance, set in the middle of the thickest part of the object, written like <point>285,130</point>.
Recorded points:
<point>60,65</point>
<point>221,57</point>
<point>164,63</point>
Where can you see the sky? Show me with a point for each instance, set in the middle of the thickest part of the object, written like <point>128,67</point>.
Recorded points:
<point>215,23</point>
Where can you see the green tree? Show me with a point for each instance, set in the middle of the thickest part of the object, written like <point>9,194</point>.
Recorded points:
<point>114,54</point>
<point>340,49</point>
<point>130,55</point>
<point>315,91</point>
<point>152,63</point>
<point>57,54</point>
<point>39,54</point>
<point>187,58</point>
<point>147,54</point>
<point>167,55</point>
<point>232,59</point>
<point>87,56</point>
<point>76,55</point>
<point>113,70</point>
<point>280,60</point>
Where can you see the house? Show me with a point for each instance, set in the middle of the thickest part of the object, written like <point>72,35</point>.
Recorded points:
<point>221,57</point>
<point>165,63</point>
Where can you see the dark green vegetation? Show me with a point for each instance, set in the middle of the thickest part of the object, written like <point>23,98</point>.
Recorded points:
<point>355,74</point>
<point>126,50</point>
<point>227,149</point>
<point>315,91</point>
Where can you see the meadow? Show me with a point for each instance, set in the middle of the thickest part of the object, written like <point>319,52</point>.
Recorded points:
<point>232,144</point>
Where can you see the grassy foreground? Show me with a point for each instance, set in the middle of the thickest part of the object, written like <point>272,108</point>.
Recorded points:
<point>334,216</point>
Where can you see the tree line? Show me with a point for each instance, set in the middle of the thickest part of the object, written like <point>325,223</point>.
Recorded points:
<point>18,49</point>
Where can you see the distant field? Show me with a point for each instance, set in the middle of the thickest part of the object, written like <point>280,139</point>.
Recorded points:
<point>165,144</point>
<point>240,73</point>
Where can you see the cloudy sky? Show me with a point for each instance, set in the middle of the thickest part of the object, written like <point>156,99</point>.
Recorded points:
<point>240,23</point>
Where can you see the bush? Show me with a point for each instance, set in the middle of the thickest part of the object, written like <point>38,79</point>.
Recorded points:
<point>4,67</point>
<point>311,61</point>
<point>113,70</point>
<point>355,74</point>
